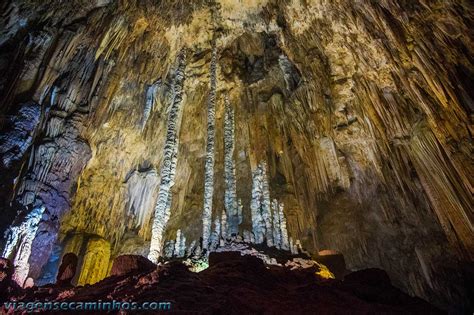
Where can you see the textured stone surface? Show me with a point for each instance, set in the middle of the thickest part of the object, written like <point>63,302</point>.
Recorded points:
<point>362,111</point>
<point>126,264</point>
<point>6,273</point>
<point>67,270</point>
<point>235,284</point>
<point>8,287</point>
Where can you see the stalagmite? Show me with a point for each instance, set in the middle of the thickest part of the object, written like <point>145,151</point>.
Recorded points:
<point>210,148</point>
<point>284,231</point>
<point>19,241</point>
<point>239,211</point>
<point>266,209</point>
<point>168,169</point>
<point>255,205</point>
<point>168,249</point>
<point>276,224</point>
<point>180,244</point>
<point>230,194</point>
<point>214,239</point>
<point>191,248</point>
<point>177,243</point>
<point>262,226</point>
<point>224,225</point>
<point>280,232</point>
<point>293,247</point>
<point>247,236</point>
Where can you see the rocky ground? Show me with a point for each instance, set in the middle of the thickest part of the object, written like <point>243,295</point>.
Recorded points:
<point>235,284</point>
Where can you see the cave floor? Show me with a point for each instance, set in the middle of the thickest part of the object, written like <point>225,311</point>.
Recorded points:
<point>235,284</point>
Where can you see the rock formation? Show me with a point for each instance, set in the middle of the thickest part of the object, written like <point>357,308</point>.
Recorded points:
<point>210,151</point>
<point>235,284</point>
<point>233,219</point>
<point>308,126</point>
<point>168,169</point>
<point>126,264</point>
<point>67,270</point>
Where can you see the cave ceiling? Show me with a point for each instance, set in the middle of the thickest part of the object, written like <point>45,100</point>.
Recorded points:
<point>358,113</point>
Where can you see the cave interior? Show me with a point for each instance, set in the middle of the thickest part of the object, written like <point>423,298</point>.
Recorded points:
<point>325,136</point>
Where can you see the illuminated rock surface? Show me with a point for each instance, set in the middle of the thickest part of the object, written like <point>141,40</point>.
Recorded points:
<point>337,125</point>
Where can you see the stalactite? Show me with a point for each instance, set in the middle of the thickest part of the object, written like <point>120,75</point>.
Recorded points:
<point>177,243</point>
<point>14,144</point>
<point>44,157</point>
<point>290,73</point>
<point>115,35</point>
<point>151,91</point>
<point>168,169</point>
<point>19,241</point>
<point>140,192</point>
<point>54,166</point>
<point>210,148</point>
<point>55,127</point>
<point>54,95</point>
<point>230,194</point>
<point>450,198</point>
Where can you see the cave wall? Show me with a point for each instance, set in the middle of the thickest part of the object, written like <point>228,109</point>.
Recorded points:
<point>361,110</point>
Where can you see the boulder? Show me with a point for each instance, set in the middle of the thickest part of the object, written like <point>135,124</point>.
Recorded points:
<point>126,264</point>
<point>218,257</point>
<point>371,277</point>
<point>335,262</point>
